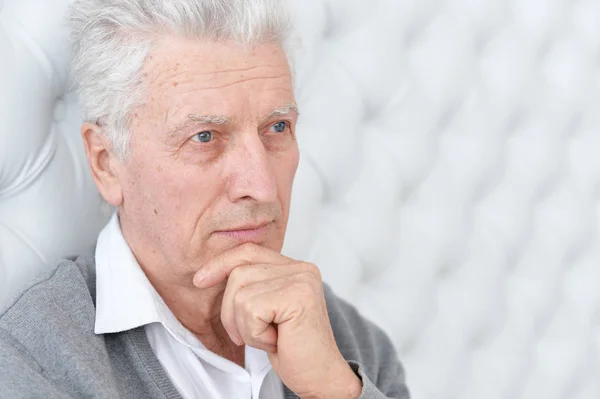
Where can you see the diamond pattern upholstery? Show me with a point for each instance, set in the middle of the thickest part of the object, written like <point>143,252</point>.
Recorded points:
<point>449,184</point>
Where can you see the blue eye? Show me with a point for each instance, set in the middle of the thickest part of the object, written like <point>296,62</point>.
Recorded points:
<point>203,137</point>
<point>279,127</point>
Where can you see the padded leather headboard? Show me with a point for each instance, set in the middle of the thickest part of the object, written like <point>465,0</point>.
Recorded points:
<point>449,181</point>
<point>49,206</point>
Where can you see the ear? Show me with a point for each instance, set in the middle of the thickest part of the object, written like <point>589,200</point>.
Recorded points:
<point>103,163</point>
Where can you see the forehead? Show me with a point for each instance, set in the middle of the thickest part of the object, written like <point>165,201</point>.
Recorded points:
<point>210,77</point>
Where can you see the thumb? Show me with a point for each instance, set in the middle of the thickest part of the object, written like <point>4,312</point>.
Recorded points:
<point>220,267</point>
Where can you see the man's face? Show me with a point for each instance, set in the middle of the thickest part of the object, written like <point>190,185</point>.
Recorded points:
<point>213,153</point>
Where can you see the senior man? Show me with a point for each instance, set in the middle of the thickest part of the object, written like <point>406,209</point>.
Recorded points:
<point>190,135</point>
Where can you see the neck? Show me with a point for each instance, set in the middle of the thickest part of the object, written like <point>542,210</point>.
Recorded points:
<point>197,310</point>
<point>200,312</point>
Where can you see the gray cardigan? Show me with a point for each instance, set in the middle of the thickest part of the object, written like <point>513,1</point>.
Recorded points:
<point>48,348</point>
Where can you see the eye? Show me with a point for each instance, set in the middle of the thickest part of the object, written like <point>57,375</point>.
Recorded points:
<point>279,127</point>
<point>203,137</point>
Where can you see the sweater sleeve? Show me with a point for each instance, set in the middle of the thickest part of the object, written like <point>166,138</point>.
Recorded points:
<point>368,351</point>
<point>397,389</point>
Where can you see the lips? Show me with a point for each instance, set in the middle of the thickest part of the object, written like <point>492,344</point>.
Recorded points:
<point>256,233</point>
<point>254,226</point>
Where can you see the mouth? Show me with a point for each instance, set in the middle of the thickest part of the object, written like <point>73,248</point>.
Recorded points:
<point>246,233</point>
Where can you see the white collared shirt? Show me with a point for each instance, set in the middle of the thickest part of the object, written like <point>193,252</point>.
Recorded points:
<point>125,299</point>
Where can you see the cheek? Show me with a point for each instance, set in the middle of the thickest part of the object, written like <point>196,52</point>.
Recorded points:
<point>188,195</point>
<point>141,196</point>
<point>285,168</point>
<point>166,183</point>
<point>156,186</point>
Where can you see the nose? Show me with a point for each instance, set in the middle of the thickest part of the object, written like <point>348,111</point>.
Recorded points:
<point>251,173</point>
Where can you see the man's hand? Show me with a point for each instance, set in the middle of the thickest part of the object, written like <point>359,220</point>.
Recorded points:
<point>277,304</point>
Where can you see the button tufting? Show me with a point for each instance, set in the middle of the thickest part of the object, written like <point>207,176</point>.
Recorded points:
<point>448,182</point>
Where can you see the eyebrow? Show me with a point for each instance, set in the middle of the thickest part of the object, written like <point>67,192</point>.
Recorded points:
<point>222,120</point>
<point>192,119</point>
<point>209,119</point>
<point>285,110</point>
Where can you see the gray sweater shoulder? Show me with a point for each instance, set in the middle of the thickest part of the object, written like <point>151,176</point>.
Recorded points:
<point>47,334</point>
<point>63,280</point>
<point>47,343</point>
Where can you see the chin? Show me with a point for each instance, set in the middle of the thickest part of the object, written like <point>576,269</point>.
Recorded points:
<point>225,244</point>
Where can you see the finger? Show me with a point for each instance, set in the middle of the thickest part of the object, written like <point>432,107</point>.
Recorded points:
<point>255,330</point>
<point>246,276</point>
<point>238,302</point>
<point>218,269</point>
<point>263,310</point>
<point>256,309</point>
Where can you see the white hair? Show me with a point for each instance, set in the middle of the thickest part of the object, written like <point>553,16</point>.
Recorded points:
<point>112,38</point>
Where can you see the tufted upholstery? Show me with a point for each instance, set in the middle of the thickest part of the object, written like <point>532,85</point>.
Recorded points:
<point>449,182</point>
<point>49,206</point>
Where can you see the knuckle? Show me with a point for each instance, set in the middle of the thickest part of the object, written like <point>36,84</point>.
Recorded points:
<point>247,306</point>
<point>305,277</point>
<point>305,287</point>
<point>244,304</point>
<point>311,274</point>
<point>239,301</point>
<point>313,270</point>
<point>234,277</point>
<point>241,276</point>
<point>235,273</point>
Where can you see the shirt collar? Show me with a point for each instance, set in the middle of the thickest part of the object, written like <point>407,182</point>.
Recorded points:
<point>125,298</point>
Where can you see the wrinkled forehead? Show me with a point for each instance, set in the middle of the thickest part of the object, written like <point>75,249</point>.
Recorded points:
<point>184,65</point>
<point>184,76</point>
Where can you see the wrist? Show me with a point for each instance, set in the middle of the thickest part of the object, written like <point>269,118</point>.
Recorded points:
<point>342,383</point>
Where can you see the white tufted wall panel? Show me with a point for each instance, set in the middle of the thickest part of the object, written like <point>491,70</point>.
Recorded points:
<point>49,206</point>
<point>449,185</point>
